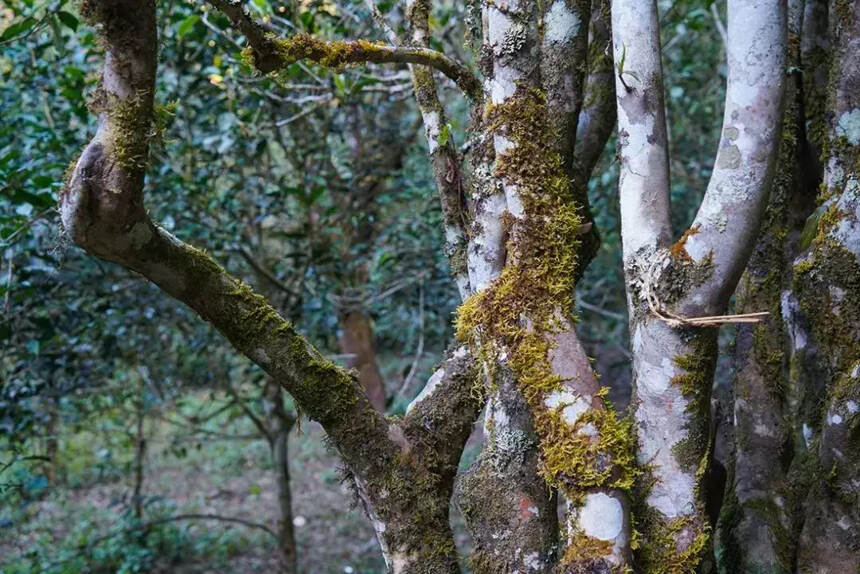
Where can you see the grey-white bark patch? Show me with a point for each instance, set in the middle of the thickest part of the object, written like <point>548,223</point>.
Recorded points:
<point>602,516</point>
<point>848,126</point>
<point>428,389</point>
<point>561,23</point>
<point>573,405</point>
<point>532,561</point>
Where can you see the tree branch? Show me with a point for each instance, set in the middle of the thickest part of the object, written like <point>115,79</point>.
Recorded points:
<point>440,419</point>
<point>270,54</point>
<point>728,219</point>
<point>644,173</point>
<point>597,118</point>
<point>444,160</point>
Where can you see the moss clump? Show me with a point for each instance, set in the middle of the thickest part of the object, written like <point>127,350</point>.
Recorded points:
<point>695,383</point>
<point>579,555</point>
<point>828,284</point>
<point>129,130</point>
<point>660,550</point>
<point>532,300</point>
<point>329,54</point>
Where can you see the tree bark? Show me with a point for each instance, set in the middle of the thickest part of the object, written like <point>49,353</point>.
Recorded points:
<point>827,284</point>
<point>758,522</point>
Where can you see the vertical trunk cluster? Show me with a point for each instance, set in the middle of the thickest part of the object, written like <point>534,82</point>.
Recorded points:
<point>826,285</point>
<point>793,501</point>
<point>675,290</point>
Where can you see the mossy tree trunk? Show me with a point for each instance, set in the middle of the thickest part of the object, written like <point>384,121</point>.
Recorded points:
<point>827,287</point>
<point>758,522</point>
<point>548,430</point>
<point>792,503</point>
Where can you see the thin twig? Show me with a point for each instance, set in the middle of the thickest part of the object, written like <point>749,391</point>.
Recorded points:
<point>715,14</point>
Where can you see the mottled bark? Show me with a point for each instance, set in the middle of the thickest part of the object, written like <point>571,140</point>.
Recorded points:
<point>673,360</point>
<point>509,510</point>
<point>444,159</point>
<point>543,392</point>
<point>827,284</point>
<point>757,524</point>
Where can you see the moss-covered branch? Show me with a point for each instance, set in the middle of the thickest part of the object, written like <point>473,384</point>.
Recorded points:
<point>270,53</point>
<point>103,211</point>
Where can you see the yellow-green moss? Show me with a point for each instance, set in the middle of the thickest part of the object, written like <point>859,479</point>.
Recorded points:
<point>581,551</point>
<point>129,130</point>
<point>659,549</point>
<point>695,383</point>
<point>330,54</point>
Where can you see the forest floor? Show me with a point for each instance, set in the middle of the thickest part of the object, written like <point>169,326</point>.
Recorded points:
<point>225,477</point>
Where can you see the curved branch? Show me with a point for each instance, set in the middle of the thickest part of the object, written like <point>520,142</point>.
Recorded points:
<point>102,209</point>
<point>270,53</point>
<point>728,219</point>
<point>439,420</point>
<point>597,118</point>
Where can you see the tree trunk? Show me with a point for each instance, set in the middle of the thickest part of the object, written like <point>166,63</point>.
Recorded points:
<point>827,285</point>
<point>356,340</point>
<point>280,422</point>
<point>674,290</point>
<point>139,448</point>
<point>758,522</point>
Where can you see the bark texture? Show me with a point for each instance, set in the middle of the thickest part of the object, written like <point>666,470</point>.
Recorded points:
<point>827,283</point>
<point>356,340</point>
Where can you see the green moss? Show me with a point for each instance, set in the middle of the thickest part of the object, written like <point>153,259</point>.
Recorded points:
<point>658,547</point>
<point>828,286</point>
<point>695,383</point>
<point>330,54</point>
<point>676,546</point>
<point>580,553</point>
<point>129,130</point>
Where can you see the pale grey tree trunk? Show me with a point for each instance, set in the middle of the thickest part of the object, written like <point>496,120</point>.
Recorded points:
<point>668,285</point>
